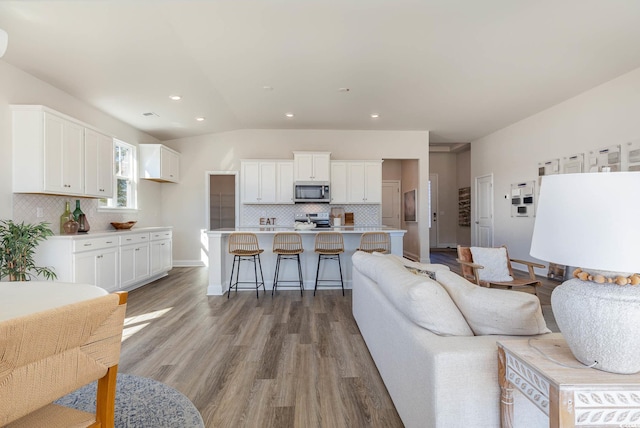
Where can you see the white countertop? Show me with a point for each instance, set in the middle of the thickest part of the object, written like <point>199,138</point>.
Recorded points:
<point>98,233</point>
<point>275,229</point>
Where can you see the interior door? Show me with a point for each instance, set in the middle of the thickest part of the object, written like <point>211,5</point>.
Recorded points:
<point>391,203</point>
<point>433,210</point>
<point>483,212</point>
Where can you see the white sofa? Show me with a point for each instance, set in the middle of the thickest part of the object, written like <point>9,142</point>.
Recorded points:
<point>436,380</point>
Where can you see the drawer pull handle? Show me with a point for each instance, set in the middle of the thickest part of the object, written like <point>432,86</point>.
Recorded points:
<point>87,245</point>
<point>109,242</point>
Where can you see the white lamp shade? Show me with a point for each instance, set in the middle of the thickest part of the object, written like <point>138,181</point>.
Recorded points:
<point>590,221</point>
<point>4,41</point>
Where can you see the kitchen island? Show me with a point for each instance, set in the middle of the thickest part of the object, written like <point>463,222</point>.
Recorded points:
<point>215,244</point>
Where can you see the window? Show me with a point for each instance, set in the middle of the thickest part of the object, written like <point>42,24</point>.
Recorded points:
<point>125,183</point>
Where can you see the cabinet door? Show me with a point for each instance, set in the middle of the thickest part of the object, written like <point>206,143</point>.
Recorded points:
<point>303,166</point>
<point>73,158</point>
<point>355,179</point>
<point>107,269</point>
<point>127,265</point>
<point>321,167</point>
<point>98,155</point>
<point>167,255</point>
<point>63,155</point>
<point>284,183</point>
<point>250,182</point>
<point>169,165</point>
<point>373,182</point>
<point>161,257</point>
<point>85,268</point>
<point>268,186</point>
<point>142,262</point>
<point>339,183</point>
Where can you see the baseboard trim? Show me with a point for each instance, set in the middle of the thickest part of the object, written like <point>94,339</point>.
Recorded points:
<point>188,263</point>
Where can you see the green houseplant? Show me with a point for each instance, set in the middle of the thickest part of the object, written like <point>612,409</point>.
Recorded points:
<point>17,244</point>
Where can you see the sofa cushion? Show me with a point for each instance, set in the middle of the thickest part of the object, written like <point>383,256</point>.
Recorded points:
<point>494,261</point>
<point>419,298</point>
<point>494,311</point>
<point>410,264</point>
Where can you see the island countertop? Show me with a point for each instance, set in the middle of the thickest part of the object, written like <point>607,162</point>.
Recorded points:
<point>215,244</point>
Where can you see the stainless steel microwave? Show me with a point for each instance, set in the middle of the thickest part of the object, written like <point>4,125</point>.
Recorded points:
<point>311,191</point>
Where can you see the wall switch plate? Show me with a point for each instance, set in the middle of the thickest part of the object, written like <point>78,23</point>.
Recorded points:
<point>39,212</point>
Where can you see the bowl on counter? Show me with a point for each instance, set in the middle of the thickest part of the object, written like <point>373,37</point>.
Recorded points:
<point>298,225</point>
<point>123,226</point>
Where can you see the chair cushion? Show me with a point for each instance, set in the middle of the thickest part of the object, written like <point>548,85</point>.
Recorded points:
<point>494,311</point>
<point>494,261</point>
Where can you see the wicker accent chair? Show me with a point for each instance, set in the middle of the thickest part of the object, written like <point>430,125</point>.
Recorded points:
<point>288,246</point>
<point>329,246</point>
<point>375,242</point>
<point>470,272</point>
<point>48,354</point>
<point>244,246</point>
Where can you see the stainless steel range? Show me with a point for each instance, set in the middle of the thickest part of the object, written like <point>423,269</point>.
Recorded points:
<point>320,219</point>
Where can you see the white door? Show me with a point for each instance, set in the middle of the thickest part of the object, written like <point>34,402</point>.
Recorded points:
<point>433,210</point>
<point>483,212</point>
<point>391,203</point>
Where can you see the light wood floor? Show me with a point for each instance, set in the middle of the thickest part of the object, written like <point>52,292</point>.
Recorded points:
<point>285,361</point>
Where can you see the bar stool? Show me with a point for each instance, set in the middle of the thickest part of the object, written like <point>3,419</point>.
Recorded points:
<point>375,242</point>
<point>244,246</point>
<point>288,246</point>
<point>329,245</point>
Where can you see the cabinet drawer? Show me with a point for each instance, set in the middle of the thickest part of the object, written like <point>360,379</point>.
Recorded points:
<point>94,243</point>
<point>134,238</point>
<point>165,234</point>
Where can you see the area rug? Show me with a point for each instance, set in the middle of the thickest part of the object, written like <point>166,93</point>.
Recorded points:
<point>140,403</point>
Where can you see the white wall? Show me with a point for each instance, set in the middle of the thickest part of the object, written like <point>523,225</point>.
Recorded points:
<point>184,203</point>
<point>601,117</point>
<point>18,87</point>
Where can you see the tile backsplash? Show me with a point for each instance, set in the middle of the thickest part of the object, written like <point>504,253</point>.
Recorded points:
<point>364,215</point>
<point>26,208</point>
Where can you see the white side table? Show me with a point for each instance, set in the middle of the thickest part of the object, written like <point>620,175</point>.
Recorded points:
<point>571,397</point>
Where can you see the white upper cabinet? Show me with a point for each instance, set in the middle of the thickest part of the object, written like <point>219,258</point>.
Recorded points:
<point>98,164</point>
<point>159,163</point>
<point>356,182</point>
<point>48,152</point>
<point>284,181</point>
<point>312,166</point>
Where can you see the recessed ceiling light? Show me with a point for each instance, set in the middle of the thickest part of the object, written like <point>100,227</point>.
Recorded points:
<point>200,119</point>
<point>175,97</point>
<point>374,115</point>
<point>343,89</point>
<point>268,88</point>
<point>289,115</point>
<point>150,114</point>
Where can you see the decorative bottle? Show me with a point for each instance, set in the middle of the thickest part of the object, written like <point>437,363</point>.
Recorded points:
<point>71,226</point>
<point>65,217</point>
<point>77,211</point>
<point>83,224</point>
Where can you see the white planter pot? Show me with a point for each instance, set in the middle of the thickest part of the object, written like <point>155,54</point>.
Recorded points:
<point>600,322</point>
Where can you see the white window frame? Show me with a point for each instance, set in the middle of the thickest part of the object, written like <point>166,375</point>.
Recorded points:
<point>132,205</point>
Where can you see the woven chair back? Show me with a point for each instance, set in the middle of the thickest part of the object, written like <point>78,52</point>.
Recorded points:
<point>329,243</point>
<point>375,242</point>
<point>244,244</point>
<point>287,243</point>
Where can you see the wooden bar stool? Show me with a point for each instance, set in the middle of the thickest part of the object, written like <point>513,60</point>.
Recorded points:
<point>329,245</point>
<point>244,246</point>
<point>288,246</point>
<point>375,242</point>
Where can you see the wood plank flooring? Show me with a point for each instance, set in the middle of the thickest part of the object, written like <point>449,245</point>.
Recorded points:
<point>286,361</point>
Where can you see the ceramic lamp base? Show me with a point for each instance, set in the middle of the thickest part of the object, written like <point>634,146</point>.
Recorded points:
<point>600,323</point>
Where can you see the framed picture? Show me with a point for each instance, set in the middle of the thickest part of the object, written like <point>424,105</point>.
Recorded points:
<point>411,205</point>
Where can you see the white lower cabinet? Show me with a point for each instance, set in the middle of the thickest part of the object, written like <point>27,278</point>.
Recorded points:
<point>134,259</point>
<point>98,267</point>
<point>111,260</point>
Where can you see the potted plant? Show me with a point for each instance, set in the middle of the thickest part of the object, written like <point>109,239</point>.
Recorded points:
<point>17,246</point>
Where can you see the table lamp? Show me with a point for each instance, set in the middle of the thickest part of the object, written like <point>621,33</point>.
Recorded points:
<point>592,221</point>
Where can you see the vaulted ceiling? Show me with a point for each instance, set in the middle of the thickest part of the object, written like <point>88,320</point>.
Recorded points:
<point>458,68</point>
